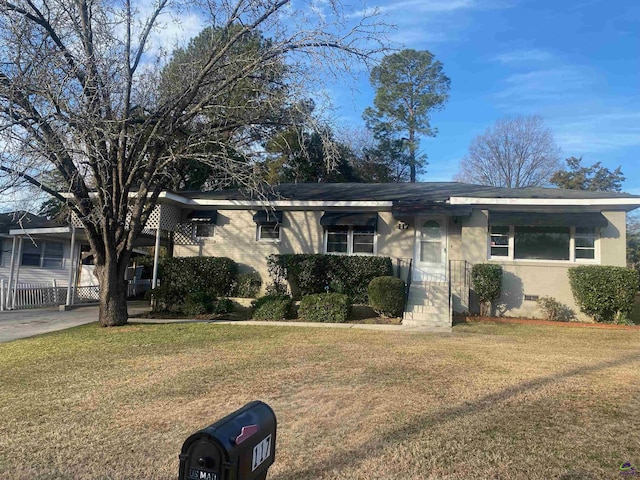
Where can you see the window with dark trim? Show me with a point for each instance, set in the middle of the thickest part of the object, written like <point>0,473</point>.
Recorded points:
<point>203,230</point>
<point>346,240</point>
<point>269,232</point>
<point>44,254</point>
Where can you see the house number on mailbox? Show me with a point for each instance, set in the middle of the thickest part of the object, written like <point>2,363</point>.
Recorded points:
<point>261,452</point>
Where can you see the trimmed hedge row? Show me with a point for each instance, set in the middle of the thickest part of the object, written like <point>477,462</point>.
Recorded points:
<point>603,292</point>
<point>307,274</point>
<point>272,307</point>
<point>193,285</point>
<point>325,307</point>
<point>170,299</point>
<point>214,275</point>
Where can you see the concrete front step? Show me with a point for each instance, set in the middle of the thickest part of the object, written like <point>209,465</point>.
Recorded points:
<point>426,317</point>
<point>428,305</point>
<point>422,323</point>
<point>427,310</point>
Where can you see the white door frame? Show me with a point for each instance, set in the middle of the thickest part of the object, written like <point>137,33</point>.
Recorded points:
<point>427,272</point>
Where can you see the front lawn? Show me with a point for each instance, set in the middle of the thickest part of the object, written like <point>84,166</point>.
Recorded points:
<point>488,401</point>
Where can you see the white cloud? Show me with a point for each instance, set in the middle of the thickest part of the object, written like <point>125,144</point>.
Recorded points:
<point>598,132</point>
<point>416,6</point>
<point>552,84</point>
<point>524,56</point>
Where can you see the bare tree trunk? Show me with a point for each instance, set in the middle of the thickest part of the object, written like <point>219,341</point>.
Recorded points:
<point>113,295</point>
<point>412,155</point>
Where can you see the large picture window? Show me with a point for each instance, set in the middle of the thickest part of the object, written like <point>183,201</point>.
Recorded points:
<point>542,243</point>
<point>567,244</point>
<point>350,240</point>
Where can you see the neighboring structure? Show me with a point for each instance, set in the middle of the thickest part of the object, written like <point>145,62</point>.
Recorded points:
<point>47,263</point>
<point>434,233</point>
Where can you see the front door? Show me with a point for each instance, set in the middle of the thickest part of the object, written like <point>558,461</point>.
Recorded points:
<point>430,252</point>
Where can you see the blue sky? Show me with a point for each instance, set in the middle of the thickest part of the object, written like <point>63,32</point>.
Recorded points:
<point>576,63</point>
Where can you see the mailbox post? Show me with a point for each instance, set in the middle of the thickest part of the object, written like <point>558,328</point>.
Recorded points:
<point>240,446</point>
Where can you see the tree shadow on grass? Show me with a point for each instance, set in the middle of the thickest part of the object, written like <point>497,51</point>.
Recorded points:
<point>359,454</point>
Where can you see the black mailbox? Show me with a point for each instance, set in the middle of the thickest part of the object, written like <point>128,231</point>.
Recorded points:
<point>241,446</point>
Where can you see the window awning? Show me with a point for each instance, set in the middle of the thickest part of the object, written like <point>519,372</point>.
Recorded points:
<point>203,216</point>
<point>349,219</point>
<point>564,219</point>
<point>268,217</point>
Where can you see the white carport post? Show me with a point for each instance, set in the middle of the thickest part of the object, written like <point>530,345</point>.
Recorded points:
<point>156,256</point>
<point>72,267</point>
<point>15,282</point>
<point>7,302</point>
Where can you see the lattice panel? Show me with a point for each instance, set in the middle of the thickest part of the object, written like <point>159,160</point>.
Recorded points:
<point>75,221</point>
<point>183,234</point>
<point>170,217</point>
<point>154,218</point>
<point>165,216</point>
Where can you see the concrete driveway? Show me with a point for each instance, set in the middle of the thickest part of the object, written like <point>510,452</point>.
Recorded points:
<point>27,323</point>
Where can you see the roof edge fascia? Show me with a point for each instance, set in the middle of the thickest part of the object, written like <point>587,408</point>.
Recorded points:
<point>558,202</point>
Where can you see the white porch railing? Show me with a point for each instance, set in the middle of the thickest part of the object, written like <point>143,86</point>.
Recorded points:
<point>37,295</point>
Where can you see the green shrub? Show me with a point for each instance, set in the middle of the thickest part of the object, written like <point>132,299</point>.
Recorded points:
<point>554,310</point>
<point>603,292</point>
<point>325,307</point>
<point>272,307</point>
<point>386,295</point>
<point>166,298</point>
<point>222,306</point>
<point>487,284</point>
<point>309,273</point>
<point>215,276</point>
<point>248,285</point>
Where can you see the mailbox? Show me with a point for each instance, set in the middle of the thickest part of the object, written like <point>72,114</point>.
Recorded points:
<point>240,446</point>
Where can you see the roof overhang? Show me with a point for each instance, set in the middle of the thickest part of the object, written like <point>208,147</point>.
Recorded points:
<point>534,219</point>
<point>624,203</point>
<point>405,209</point>
<point>40,231</point>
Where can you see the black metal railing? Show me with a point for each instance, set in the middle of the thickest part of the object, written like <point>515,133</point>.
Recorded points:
<point>459,282</point>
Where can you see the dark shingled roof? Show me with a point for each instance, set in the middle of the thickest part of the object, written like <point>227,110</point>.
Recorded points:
<point>26,220</point>
<point>427,192</point>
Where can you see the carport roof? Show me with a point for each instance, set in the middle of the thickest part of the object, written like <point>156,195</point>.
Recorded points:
<point>24,220</point>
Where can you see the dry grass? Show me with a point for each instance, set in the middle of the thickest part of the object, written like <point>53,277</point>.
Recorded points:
<point>488,401</point>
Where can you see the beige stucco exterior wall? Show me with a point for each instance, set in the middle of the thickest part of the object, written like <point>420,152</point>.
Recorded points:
<point>236,237</point>
<point>394,242</point>
<point>523,277</point>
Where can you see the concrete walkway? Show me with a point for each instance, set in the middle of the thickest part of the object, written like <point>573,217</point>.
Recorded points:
<point>17,324</point>
<point>362,326</point>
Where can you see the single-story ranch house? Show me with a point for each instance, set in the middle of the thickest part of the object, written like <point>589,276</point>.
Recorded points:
<point>433,232</point>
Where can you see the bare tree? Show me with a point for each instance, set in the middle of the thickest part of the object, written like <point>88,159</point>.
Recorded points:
<point>514,152</point>
<point>81,95</point>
